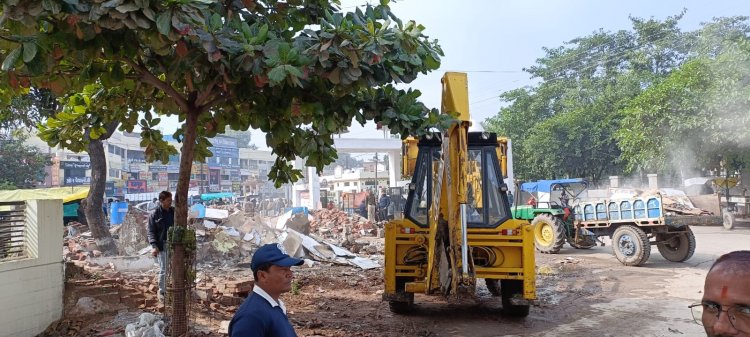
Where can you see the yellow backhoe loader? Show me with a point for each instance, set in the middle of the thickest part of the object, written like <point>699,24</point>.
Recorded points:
<point>457,225</point>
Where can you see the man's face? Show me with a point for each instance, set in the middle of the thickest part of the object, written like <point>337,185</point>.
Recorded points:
<point>728,289</point>
<point>277,280</point>
<point>166,202</point>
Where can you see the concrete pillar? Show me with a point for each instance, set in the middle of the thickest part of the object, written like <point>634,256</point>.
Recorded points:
<point>313,183</point>
<point>614,181</point>
<point>298,164</point>
<point>510,181</point>
<point>394,168</point>
<point>653,181</point>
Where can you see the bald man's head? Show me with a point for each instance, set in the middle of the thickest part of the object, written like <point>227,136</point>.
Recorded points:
<point>737,262</point>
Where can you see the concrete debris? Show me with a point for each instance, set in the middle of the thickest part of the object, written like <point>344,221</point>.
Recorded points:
<point>149,325</point>
<point>90,306</point>
<point>133,233</point>
<point>363,263</point>
<point>223,242</point>
<point>217,214</point>
<point>230,231</point>
<point>327,252</point>
<point>321,238</point>
<point>673,200</point>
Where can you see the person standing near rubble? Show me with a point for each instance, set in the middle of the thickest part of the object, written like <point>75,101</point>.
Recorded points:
<point>371,202</point>
<point>81,212</point>
<point>262,207</point>
<point>383,204</point>
<point>725,307</point>
<point>153,205</point>
<point>158,225</point>
<point>263,313</point>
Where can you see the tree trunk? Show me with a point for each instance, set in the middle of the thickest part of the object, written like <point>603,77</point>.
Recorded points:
<point>179,310</point>
<point>94,211</point>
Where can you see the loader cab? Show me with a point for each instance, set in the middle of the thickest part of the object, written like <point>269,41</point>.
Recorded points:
<point>488,204</point>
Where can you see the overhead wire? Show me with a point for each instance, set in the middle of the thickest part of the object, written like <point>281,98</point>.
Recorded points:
<point>594,63</point>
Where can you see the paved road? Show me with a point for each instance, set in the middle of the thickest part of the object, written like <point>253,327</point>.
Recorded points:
<point>650,300</point>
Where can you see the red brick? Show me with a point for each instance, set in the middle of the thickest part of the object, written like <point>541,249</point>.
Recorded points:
<point>230,300</point>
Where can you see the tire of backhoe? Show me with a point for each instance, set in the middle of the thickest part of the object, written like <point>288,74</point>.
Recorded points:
<point>728,219</point>
<point>679,249</point>
<point>633,238</point>
<point>493,286</point>
<point>509,289</point>
<point>558,232</point>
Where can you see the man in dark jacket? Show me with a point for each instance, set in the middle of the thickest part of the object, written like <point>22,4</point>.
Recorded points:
<point>81,212</point>
<point>263,314</point>
<point>383,204</point>
<point>158,224</point>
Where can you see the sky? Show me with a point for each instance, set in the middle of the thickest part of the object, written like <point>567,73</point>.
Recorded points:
<point>494,40</point>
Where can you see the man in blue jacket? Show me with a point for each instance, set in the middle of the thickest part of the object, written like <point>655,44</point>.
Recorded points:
<point>263,314</point>
<point>158,226</point>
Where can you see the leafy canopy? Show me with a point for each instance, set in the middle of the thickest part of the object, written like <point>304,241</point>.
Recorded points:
<point>299,70</point>
<point>22,165</point>
<point>653,99</point>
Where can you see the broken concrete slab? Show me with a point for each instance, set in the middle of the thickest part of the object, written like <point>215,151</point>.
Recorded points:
<point>223,242</point>
<point>364,263</point>
<point>326,252</point>
<point>216,214</point>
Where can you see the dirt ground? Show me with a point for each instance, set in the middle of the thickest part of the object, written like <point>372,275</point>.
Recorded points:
<point>581,293</point>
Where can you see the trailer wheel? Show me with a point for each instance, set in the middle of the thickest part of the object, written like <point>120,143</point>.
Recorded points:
<point>728,218</point>
<point>677,247</point>
<point>508,290</point>
<point>549,233</point>
<point>631,246</point>
<point>493,286</point>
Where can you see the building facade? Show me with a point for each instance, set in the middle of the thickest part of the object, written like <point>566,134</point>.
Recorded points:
<point>231,168</point>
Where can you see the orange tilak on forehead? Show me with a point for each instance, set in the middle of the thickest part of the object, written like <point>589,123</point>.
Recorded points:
<point>724,291</point>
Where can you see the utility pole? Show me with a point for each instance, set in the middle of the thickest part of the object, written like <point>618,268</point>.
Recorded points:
<point>376,173</point>
<point>203,178</point>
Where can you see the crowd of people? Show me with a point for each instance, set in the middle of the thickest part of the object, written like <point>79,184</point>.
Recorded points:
<point>380,208</point>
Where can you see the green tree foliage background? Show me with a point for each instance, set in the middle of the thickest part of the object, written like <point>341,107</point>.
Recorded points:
<point>653,99</point>
<point>22,165</point>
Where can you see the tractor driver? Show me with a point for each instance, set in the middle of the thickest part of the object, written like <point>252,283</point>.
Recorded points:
<point>564,199</point>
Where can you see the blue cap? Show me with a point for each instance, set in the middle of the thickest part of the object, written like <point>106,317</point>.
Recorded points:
<point>275,254</point>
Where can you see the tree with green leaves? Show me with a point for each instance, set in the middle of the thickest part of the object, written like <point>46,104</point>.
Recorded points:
<point>565,126</point>
<point>697,116</point>
<point>299,70</point>
<point>26,110</point>
<point>22,165</point>
<point>87,119</point>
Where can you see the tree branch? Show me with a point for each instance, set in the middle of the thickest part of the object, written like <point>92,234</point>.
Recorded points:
<point>216,101</point>
<point>205,94</point>
<point>149,78</point>
<point>111,127</point>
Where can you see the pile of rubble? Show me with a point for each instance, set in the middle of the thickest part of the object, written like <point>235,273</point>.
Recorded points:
<point>338,225</point>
